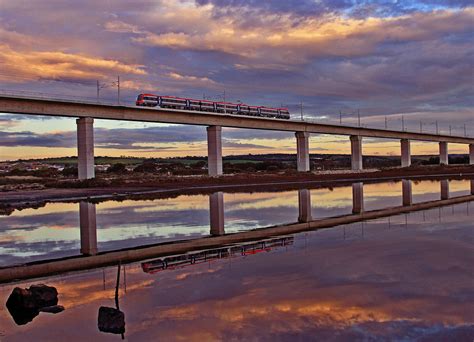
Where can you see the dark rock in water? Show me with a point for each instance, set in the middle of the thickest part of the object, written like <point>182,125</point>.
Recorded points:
<point>22,306</point>
<point>44,295</point>
<point>111,320</point>
<point>53,309</point>
<point>25,304</point>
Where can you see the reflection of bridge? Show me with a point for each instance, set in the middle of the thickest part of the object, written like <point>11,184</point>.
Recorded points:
<point>87,211</point>
<point>86,112</point>
<point>208,255</point>
<point>88,228</point>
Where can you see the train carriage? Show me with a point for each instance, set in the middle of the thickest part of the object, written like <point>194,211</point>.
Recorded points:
<point>226,107</point>
<point>284,113</point>
<point>173,102</point>
<point>254,111</point>
<point>269,112</point>
<point>208,106</point>
<point>147,100</point>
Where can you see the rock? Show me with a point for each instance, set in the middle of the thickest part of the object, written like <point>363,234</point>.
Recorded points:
<point>26,304</point>
<point>44,295</point>
<point>111,320</point>
<point>53,309</point>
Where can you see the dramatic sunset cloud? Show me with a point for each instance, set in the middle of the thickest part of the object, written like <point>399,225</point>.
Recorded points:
<point>384,59</point>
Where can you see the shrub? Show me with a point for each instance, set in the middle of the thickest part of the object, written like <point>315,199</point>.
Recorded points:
<point>117,168</point>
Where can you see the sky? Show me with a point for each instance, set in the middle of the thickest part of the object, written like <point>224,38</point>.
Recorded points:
<point>385,59</point>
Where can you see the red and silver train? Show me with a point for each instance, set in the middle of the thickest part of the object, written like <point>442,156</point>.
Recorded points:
<point>151,100</point>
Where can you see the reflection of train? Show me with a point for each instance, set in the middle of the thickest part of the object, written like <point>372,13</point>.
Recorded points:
<point>150,100</point>
<point>198,257</point>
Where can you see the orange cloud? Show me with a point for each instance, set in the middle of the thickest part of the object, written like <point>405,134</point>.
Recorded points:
<point>18,65</point>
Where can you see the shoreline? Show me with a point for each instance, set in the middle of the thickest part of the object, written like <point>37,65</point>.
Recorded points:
<point>175,186</point>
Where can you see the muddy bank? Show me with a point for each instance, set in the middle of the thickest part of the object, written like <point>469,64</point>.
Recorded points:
<point>150,187</point>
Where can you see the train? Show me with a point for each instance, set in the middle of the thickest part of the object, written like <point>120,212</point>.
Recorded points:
<point>151,100</point>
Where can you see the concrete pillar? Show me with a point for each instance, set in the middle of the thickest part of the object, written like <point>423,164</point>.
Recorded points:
<point>357,197</point>
<point>471,154</point>
<point>356,152</point>
<point>216,213</point>
<point>407,193</point>
<point>443,153</point>
<point>302,151</point>
<point>87,222</point>
<point>85,148</point>
<point>214,150</point>
<point>444,189</point>
<point>304,205</point>
<point>406,152</point>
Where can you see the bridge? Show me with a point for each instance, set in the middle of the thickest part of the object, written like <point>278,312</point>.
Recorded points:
<point>86,112</point>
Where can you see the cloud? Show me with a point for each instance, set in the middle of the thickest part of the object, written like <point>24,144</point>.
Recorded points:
<point>191,79</point>
<point>297,40</point>
<point>58,65</point>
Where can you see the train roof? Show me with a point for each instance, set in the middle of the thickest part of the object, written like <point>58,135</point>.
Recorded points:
<point>175,97</point>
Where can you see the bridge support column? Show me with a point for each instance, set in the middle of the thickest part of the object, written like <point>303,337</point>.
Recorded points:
<point>357,198</point>
<point>302,151</point>
<point>85,148</point>
<point>445,189</point>
<point>443,153</point>
<point>88,225</point>
<point>406,152</point>
<point>471,154</point>
<point>304,205</point>
<point>216,212</point>
<point>407,193</point>
<point>214,150</point>
<point>356,152</point>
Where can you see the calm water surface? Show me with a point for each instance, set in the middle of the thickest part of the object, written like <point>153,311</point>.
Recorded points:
<point>53,231</point>
<point>406,277</point>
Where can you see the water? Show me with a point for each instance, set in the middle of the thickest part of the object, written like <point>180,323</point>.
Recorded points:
<point>403,277</point>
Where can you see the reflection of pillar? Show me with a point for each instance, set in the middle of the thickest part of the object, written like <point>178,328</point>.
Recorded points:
<point>216,212</point>
<point>472,186</point>
<point>85,148</point>
<point>444,189</point>
<point>302,151</point>
<point>214,150</point>
<point>407,193</point>
<point>406,152</point>
<point>357,197</point>
<point>471,154</point>
<point>304,205</point>
<point>88,226</point>
<point>356,152</point>
<point>443,153</point>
